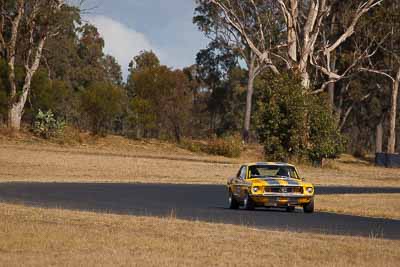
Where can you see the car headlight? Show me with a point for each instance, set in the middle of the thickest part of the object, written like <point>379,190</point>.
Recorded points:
<point>255,189</point>
<point>310,190</point>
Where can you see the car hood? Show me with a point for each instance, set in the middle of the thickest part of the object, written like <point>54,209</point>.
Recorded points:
<point>278,182</point>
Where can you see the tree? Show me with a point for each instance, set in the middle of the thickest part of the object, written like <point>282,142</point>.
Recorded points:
<point>386,64</point>
<point>101,103</point>
<point>112,70</point>
<point>214,69</point>
<point>292,124</point>
<point>145,60</point>
<point>308,43</point>
<point>28,25</point>
<point>216,23</point>
<point>282,120</point>
<point>177,103</point>
<point>91,56</point>
<point>161,98</point>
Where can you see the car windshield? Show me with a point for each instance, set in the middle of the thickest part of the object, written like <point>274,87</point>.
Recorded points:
<point>274,171</point>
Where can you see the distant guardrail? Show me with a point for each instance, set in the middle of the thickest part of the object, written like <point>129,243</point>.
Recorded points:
<point>387,160</point>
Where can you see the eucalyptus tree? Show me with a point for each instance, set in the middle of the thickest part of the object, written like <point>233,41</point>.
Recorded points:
<point>257,31</point>
<point>308,45</point>
<point>25,26</point>
<point>385,24</point>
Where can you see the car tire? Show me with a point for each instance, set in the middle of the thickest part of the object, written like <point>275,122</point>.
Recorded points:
<point>248,203</point>
<point>309,207</point>
<point>290,208</point>
<point>233,203</point>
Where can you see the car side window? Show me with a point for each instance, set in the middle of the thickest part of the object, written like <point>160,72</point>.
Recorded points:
<point>243,173</point>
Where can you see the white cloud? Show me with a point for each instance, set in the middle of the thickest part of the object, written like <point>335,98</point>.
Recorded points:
<point>121,41</point>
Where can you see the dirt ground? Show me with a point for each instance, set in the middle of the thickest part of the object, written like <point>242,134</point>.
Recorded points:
<point>41,237</point>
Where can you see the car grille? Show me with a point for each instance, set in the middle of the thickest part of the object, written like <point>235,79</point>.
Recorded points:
<point>284,189</point>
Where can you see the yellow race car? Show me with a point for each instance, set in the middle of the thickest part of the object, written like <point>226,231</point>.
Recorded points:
<point>270,184</point>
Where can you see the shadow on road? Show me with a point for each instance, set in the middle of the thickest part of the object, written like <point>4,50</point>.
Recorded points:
<point>195,202</point>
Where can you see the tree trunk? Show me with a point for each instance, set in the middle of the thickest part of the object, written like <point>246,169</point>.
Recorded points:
<point>392,119</point>
<point>249,102</point>
<point>379,138</point>
<point>15,116</point>
<point>177,132</point>
<point>305,79</point>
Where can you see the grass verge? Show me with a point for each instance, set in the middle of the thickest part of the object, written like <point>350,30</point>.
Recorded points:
<point>122,160</point>
<point>369,205</point>
<point>41,237</point>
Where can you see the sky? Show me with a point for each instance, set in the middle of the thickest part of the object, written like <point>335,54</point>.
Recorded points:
<point>130,26</point>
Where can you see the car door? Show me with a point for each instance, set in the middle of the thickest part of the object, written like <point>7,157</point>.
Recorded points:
<point>238,182</point>
<point>242,184</point>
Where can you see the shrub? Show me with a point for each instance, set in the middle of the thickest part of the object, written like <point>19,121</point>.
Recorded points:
<point>47,126</point>
<point>191,145</point>
<point>281,121</point>
<point>230,146</point>
<point>293,124</point>
<point>325,140</point>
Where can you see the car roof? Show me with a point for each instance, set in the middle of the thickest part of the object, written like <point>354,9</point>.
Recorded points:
<point>269,164</point>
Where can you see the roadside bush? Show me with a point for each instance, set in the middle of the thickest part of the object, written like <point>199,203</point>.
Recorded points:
<point>191,145</point>
<point>230,146</point>
<point>47,126</point>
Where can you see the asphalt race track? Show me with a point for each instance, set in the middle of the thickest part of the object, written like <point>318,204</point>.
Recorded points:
<point>196,202</point>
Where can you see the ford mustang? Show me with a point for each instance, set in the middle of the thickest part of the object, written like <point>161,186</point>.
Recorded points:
<point>270,184</point>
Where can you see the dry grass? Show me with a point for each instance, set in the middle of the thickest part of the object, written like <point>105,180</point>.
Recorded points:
<point>44,164</point>
<point>115,159</point>
<point>370,205</point>
<point>350,171</point>
<point>38,237</point>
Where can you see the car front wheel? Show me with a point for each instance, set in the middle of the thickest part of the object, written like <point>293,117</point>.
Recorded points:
<point>309,207</point>
<point>233,203</point>
<point>248,203</point>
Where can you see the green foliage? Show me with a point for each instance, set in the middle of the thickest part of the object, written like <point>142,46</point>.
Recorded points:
<point>142,115</point>
<point>55,95</point>
<point>160,99</point>
<point>112,70</point>
<point>325,141</point>
<point>145,60</point>
<point>292,123</point>
<point>47,126</point>
<point>282,121</point>
<point>101,103</point>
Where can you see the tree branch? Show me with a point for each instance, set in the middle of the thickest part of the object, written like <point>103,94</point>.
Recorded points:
<point>362,9</point>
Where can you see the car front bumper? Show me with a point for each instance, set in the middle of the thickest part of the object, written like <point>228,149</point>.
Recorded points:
<point>281,199</point>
